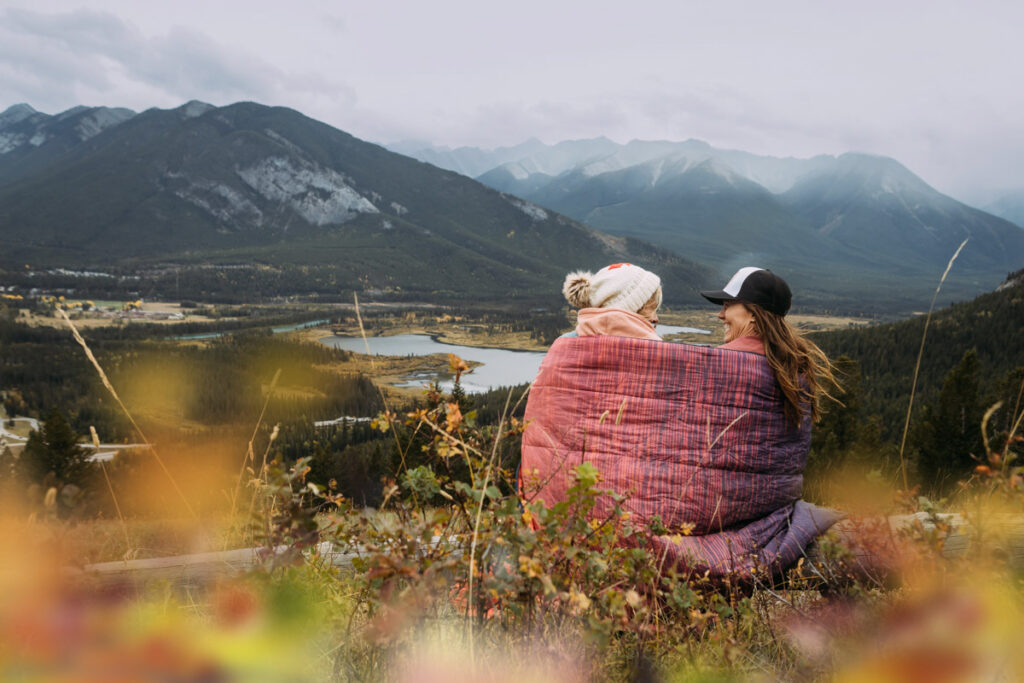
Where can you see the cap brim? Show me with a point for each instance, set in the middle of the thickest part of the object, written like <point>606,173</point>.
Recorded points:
<point>718,296</point>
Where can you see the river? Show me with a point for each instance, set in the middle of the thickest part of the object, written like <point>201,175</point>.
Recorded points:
<point>500,367</point>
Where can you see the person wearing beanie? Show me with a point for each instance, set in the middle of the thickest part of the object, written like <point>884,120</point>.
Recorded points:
<point>620,300</point>
<point>737,498</point>
<point>754,305</point>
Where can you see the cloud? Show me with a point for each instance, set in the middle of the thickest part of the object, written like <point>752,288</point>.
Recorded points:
<point>933,89</point>
<point>96,57</point>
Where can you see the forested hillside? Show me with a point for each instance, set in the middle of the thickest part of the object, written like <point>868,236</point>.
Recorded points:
<point>992,325</point>
<point>973,358</point>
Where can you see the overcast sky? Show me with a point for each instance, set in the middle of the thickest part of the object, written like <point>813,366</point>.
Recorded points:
<point>937,85</point>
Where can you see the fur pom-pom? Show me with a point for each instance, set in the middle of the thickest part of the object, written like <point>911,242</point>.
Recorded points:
<point>577,288</point>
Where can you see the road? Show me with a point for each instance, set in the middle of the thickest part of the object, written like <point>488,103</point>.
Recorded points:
<point>105,453</point>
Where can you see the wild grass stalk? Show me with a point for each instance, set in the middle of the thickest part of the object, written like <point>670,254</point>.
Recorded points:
<point>362,330</point>
<point>402,452</point>
<point>261,474</point>
<point>917,365</point>
<point>113,496</point>
<point>110,387</point>
<point>249,455</point>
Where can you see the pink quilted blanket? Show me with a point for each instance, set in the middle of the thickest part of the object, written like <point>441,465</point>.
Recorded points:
<point>692,434</point>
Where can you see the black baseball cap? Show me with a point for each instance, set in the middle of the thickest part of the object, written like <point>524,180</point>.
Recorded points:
<point>755,286</point>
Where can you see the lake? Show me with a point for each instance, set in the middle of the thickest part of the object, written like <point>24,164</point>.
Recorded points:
<point>500,367</point>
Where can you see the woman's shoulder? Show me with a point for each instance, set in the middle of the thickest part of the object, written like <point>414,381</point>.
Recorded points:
<point>749,344</point>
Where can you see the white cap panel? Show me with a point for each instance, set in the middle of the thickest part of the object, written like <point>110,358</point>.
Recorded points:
<point>736,283</point>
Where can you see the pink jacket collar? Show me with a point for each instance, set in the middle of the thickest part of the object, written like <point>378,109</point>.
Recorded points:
<point>614,322</point>
<point>748,344</point>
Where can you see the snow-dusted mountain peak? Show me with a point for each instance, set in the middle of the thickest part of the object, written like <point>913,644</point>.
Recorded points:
<point>99,119</point>
<point>194,108</point>
<point>21,126</point>
<point>603,165</point>
<point>715,167</point>
<point>880,174</point>
<point>16,113</point>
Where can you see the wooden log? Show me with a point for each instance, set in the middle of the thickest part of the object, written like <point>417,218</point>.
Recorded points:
<point>198,568</point>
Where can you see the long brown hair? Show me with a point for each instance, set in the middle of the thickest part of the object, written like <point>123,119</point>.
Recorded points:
<point>802,370</point>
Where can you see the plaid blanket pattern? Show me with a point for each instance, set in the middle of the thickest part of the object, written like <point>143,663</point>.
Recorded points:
<point>695,435</point>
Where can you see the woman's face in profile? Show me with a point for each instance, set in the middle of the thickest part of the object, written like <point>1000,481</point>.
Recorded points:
<point>737,320</point>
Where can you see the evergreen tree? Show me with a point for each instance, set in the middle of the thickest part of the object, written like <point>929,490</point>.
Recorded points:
<point>950,431</point>
<point>1010,391</point>
<point>839,427</point>
<point>54,450</point>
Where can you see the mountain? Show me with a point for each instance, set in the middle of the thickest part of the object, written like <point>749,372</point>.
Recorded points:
<point>849,230</point>
<point>30,140</point>
<point>691,207</point>
<point>601,155</point>
<point>878,208</point>
<point>269,189</point>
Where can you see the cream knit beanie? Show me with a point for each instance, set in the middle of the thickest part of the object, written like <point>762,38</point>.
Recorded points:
<point>620,285</point>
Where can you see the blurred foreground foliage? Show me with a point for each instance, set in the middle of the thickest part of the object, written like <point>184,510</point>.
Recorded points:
<point>452,576</point>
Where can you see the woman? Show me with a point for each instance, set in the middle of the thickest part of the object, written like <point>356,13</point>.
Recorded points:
<point>696,437</point>
<point>621,300</point>
<point>754,305</point>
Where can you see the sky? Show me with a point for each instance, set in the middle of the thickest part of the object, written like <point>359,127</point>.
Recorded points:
<point>936,84</point>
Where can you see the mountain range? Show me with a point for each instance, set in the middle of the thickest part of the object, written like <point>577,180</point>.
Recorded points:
<point>272,191</point>
<point>296,206</point>
<point>853,226</point>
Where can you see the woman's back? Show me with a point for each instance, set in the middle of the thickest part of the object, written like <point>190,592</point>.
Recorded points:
<point>694,435</point>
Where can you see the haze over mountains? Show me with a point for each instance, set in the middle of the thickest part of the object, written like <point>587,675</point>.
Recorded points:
<point>268,189</point>
<point>272,190</point>
<point>831,223</point>
<point>1008,204</point>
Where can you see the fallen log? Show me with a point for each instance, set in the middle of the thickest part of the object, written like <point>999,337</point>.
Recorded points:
<point>198,568</point>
